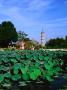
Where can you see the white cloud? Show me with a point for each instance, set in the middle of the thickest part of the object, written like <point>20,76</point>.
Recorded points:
<point>60,22</point>
<point>39,4</point>
<point>30,4</point>
<point>14,14</point>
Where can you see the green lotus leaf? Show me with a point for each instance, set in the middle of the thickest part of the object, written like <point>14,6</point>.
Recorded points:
<point>34,57</point>
<point>37,72</point>
<point>24,70</point>
<point>66,67</point>
<point>33,76</point>
<point>37,64</point>
<point>31,68</point>
<point>28,55</point>
<point>46,58</point>
<point>3,68</point>
<point>25,77</point>
<point>8,75</point>
<point>5,60</point>
<point>50,72</point>
<point>49,78</point>
<point>47,66</point>
<point>13,60</point>
<point>1,77</point>
<point>50,62</point>
<point>16,67</point>
<point>17,56</point>
<point>15,77</point>
<point>15,71</point>
<point>41,57</point>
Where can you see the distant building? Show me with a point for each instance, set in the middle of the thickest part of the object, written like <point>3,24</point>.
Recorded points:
<point>20,44</point>
<point>12,44</point>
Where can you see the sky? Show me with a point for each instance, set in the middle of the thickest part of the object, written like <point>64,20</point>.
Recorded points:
<point>33,16</point>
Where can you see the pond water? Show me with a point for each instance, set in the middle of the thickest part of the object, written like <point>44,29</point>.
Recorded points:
<point>55,85</point>
<point>59,83</point>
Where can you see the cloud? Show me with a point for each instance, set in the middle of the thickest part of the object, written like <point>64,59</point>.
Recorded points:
<point>20,21</point>
<point>14,14</point>
<point>60,22</point>
<point>17,14</point>
<point>39,4</point>
<point>28,4</point>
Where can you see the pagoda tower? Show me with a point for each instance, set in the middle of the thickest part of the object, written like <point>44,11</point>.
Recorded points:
<point>42,38</point>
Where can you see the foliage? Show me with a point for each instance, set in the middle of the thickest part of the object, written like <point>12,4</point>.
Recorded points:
<point>29,45</point>
<point>28,65</point>
<point>57,43</point>
<point>7,33</point>
<point>23,36</point>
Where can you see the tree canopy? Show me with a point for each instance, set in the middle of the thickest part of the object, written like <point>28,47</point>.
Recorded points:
<point>22,36</point>
<point>7,33</point>
<point>57,43</point>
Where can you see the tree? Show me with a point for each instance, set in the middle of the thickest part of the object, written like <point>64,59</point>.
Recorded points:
<point>29,44</point>
<point>57,43</point>
<point>7,33</point>
<point>66,38</point>
<point>22,36</point>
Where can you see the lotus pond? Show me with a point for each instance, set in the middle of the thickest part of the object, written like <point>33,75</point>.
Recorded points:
<point>33,69</point>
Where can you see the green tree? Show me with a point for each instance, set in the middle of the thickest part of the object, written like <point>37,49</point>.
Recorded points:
<point>23,36</point>
<point>57,43</point>
<point>7,33</point>
<point>66,38</point>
